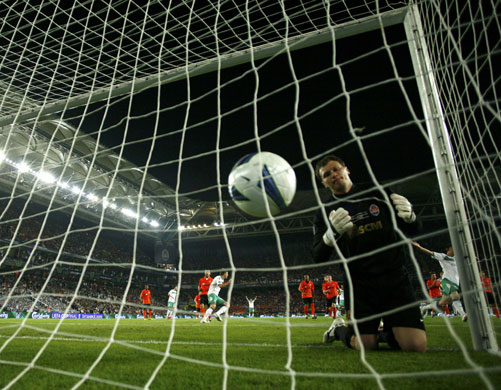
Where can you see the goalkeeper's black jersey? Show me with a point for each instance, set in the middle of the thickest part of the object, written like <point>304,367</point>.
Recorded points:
<point>370,213</point>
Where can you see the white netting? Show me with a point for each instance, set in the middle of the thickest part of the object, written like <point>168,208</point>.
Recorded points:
<point>120,122</point>
<point>464,49</point>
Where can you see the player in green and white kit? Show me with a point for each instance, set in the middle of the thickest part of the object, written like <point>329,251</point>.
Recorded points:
<point>171,302</point>
<point>450,282</point>
<point>251,306</point>
<point>340,300</point>
<point>213,296</point>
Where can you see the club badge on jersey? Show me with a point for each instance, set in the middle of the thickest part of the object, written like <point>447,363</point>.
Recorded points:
<point>374,210</point>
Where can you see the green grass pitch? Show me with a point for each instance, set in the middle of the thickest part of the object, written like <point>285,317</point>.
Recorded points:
<point>162,354</point>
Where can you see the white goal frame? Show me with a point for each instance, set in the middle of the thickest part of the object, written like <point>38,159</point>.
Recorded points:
<point>482,333</point>
<point>481,329</point>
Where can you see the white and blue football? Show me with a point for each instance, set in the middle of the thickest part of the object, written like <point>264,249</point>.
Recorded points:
<point>260,178</point>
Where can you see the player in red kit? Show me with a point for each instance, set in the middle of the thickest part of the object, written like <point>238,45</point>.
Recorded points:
<point>433,285</point>
<point>487,285</point>
<point>197,305</point>
<point>203,289</point>
<point>330,289</point>
<point>146,300</point>
<point>306,287</point>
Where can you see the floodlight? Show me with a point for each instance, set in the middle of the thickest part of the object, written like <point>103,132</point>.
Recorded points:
<point>63,184</point>
<point>92,197</point>
<point>22,167</point>
<point>129,213</point>
<point>46,177</point>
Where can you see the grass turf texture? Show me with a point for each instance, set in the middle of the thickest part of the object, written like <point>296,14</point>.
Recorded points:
<point>256,353</point>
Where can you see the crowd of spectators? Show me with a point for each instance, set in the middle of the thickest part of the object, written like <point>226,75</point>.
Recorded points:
<point>38,278</point>
<point>101,289</point>
<point>79,240</point>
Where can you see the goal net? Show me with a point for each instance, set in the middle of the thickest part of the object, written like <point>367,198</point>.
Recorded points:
<point>120,122</point>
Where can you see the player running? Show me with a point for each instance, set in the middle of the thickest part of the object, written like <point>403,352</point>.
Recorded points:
<point>340,300</point>
<point>434,291</point>
<point>450,282</point>
<point>197,305</point>
<point>203,289</point>
<point>214,299</point>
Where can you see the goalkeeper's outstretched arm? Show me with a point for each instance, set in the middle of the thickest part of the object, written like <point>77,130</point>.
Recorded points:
<point>427,251</point>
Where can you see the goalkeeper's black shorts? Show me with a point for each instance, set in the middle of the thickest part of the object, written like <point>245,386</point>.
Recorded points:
<point>390,299</point>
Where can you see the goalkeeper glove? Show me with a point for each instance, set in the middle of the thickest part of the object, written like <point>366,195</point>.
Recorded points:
<point>403,207</point>
<point>328,238</point>
<point>341,220</point>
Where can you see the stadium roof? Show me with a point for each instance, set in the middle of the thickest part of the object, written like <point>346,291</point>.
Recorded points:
<point>54,154</point>
<point>70,158</point>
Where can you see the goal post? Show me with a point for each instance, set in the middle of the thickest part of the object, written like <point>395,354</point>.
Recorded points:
<point>452,196</point>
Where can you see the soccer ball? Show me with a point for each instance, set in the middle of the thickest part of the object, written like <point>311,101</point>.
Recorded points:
<point>256,171</point>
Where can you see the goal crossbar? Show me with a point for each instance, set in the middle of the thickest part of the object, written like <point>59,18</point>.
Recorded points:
<point>343,30</point>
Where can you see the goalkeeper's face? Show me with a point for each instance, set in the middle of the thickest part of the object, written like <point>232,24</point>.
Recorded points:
<point>336,177</point>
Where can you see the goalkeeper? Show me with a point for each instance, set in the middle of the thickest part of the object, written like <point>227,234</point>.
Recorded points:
<point>360,224</point>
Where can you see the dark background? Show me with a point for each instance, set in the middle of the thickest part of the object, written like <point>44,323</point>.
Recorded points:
<point>356,109</point>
